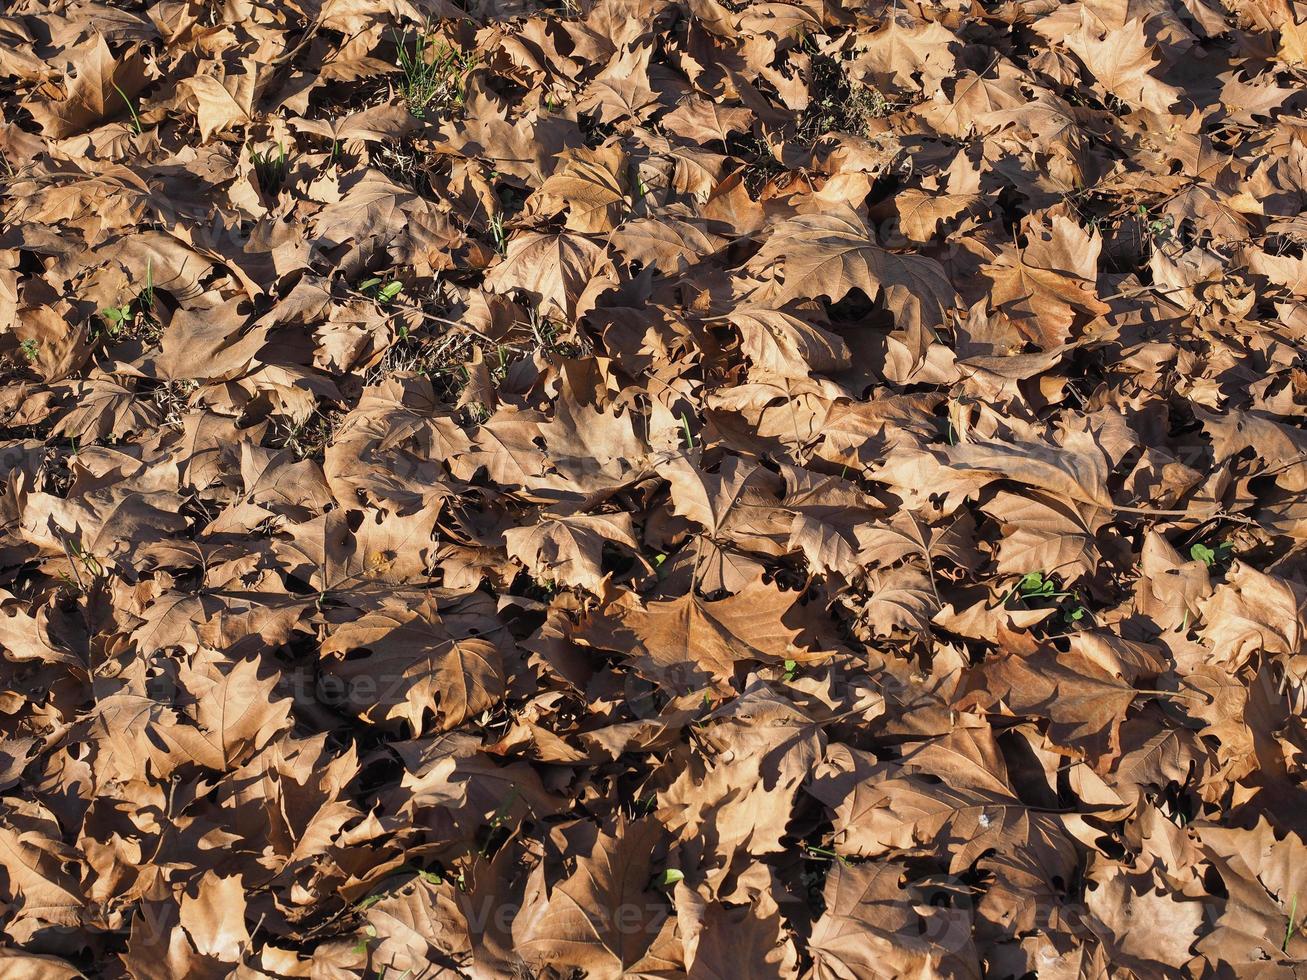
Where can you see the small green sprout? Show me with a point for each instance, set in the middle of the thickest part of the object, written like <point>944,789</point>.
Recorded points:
<point>136,120</point>
<point>500,817</point>
<point>136,312</point>
<point>369,934</point>
<point>1211,556</point>
<point>117,317</point>
<point>30,349</point>
<point>434,74</point>
<point>383,291</point>
<point>147,294</point>
<point>497,231</point>
<point>669,876</point>
<point>269,168</point>
<point>88,560</point>
<point>1035,586</point>
<point>827,853</point>
<point>1159,228</point>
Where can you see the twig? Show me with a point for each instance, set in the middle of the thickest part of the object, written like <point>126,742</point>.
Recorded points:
<point>449,323</point>
<point>1159,512</point>
<point>309,35</point>
<point>1140,290</point>
<point>1287,464</point>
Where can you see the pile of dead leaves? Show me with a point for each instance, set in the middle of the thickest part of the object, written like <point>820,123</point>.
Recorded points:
<point>653,488</point>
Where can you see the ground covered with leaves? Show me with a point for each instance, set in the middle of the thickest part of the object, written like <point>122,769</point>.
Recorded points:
<point>653,488</point>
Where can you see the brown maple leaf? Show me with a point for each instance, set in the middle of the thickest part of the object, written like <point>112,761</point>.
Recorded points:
<point>832,253</point>
<point>435,653</point>
<point>1044,286</point>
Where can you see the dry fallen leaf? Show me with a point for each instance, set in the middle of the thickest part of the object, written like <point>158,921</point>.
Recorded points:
<point>672,489</point>
<point>831,253</point>
<point>101,87</point>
